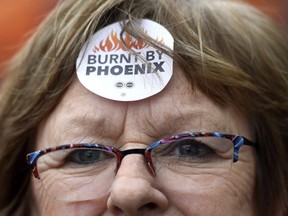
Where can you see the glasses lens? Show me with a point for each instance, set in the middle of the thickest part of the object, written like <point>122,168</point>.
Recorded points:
<point>77,174</point>
<point>193,163</point>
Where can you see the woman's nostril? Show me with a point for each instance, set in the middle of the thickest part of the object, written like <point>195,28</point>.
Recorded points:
<point>150,206</point>
<point>117,211</point>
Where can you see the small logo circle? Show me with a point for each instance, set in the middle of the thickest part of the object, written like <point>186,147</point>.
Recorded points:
<point>129,85</point>
<point>119,84</point>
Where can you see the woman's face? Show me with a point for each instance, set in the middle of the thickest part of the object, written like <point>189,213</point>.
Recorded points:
<point>82,116</point>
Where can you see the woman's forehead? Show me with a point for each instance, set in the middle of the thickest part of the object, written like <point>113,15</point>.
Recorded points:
<point>177,98</point>
<point>176,109</point>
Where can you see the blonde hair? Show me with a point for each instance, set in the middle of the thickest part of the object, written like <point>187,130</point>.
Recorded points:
<point>231,51</point>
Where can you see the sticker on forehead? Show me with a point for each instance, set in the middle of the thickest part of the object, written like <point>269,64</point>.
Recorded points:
<point>127,71</point>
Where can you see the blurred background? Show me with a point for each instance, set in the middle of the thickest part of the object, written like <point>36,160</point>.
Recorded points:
<point>19,18</point>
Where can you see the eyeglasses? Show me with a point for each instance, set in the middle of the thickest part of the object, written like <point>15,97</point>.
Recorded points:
<point>181,163</point>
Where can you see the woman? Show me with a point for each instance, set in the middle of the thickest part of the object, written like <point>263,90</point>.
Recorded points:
<point>226,101</point>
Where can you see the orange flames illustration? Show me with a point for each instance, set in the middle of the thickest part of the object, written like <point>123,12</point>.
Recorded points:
<point>113,43</point>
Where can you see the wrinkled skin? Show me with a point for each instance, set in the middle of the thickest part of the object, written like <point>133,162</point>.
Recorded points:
<point>82,115</point>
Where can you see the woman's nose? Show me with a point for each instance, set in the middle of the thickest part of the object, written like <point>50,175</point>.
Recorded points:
<point>133,193</point>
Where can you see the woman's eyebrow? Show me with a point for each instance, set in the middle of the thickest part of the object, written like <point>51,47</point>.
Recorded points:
<point>199,121</point>
<point>79,126</point>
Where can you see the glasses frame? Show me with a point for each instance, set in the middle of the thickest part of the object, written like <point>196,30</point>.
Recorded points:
<point>238,142</point>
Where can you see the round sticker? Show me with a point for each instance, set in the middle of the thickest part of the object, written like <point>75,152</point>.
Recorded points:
<point>108,69</point>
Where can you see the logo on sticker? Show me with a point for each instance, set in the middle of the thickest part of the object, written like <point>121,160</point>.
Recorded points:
<point>119,67</point>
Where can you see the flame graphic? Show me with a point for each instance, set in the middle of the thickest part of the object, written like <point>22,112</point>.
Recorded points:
<point>113,43</point>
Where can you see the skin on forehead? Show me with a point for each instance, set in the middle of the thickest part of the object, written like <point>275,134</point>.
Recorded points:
<point>175,110</point>
<point>82,116</point>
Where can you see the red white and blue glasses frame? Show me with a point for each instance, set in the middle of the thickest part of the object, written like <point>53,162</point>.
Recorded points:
<point>238,142</point>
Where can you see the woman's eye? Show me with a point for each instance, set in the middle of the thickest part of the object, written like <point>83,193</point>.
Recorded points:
<point>186,150</point>
<point>84,156</point>
<point>193,148</point>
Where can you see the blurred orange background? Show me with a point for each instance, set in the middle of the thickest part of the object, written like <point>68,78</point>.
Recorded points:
<point>18,18</point>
